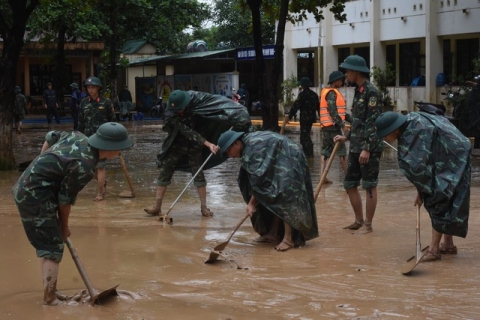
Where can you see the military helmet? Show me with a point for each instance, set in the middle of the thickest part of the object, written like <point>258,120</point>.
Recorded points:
<point>110,136</point>
<point>178,100</point>
<point>74,85</point>
<point>355,63</point>
<point>388,122</point>
<point>227,138</point>
<point>17,89</point>
<point>92,81</point>
<point>334,76</point>
<point>305,82</point>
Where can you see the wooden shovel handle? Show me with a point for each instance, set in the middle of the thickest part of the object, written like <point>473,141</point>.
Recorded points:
<point>236,227</point>
<point>325,172</point>
<point>282,130</point>
<point>91,291</point>
<point>127,175</point>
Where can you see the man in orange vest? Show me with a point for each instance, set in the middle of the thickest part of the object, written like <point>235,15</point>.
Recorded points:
<point>333,110</point>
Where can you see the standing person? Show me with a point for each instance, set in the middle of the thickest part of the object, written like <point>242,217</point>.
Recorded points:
<point>244,95</point>
<point>75,103</point>
<point>435,156</point>
<point>47,189</point>
<point>19,110</point>
<point>51,104</point>
<point>308,103</point>
<point>191,118</point>
<point>333,110</point>
<point>125,95</point>
<point>276,185</point>
<point>365,147</point>
<point>94,111</point>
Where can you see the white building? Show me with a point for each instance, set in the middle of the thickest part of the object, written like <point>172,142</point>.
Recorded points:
<point>418,37</point>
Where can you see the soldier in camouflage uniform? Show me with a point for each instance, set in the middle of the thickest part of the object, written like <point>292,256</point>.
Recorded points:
<point>308,104</point>
<point>19,110</point>
<point>365,147</point>
<point>435,156</point>
<point>331,122</point>
<point>182,140</point>
<point>48,188</point>
<point>94,111</point>
<point>51,104</point>
<point>276,185</point>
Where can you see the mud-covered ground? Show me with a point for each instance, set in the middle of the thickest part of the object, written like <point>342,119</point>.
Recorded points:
<point>336,276</point>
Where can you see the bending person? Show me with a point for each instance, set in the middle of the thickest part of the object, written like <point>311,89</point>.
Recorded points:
<point>435,157</point>
<point>276,185</point>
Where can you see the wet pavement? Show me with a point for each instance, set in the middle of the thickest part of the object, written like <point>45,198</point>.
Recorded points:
<point>336,276</point>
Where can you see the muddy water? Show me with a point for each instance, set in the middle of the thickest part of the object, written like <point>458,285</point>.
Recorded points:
<point>337,276</point>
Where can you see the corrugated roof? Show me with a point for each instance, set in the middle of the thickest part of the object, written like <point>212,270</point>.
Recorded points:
<point>190,55</point>
<point>132,46</point>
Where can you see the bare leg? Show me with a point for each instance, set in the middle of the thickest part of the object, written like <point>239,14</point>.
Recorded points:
<point>156,210</point>
<point>434,250</point>
<point>19,125</point>
<point>49,275</point>
<point>101,176</point>
<point>356,202</point>
<point>271,236</point>
<point>371,205</point>
<point>287,242</point>
<point>202,194</point>
<point>343,163</point>
<point>322,168</point>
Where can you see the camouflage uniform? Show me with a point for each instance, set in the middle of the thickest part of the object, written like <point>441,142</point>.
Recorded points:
<point>328,133</point>
<point>366,108</point>
<point>50,99</point>
<point>436,158</point>
<point>94,113</point>
<point>54,178</point>
<point>183,141</point>
<point>74,106</point>
<point>309,104</point>
<point>275,171</point>
<point>19,110</point>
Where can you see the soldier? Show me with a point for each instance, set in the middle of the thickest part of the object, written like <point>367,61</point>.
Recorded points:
<point>51,104</point>
<point>308,103</point>
<point>47,189</point>
<point>365,147</point>
<point>19,110</point>
<point>94,111</point>
<point>75,103</point>
<point>276,185</point>
<point>333,110</point>
<point>436,158</point>
<point>192,117</point>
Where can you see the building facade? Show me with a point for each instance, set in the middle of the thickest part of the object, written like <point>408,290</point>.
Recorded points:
<point>418,37</point>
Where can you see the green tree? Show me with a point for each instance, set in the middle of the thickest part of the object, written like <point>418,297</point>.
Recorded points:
<point>14,15</point>
<point>384,78</point>
<point>282,11</point>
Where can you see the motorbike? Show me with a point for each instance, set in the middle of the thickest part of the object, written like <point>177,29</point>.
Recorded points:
<point>158,110</point>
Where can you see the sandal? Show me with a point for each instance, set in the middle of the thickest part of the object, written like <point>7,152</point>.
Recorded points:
<point>451,250</point>
<point>430,256</point>
<point>286,246</point>
<point>354,226</point>
<point>206,212</point>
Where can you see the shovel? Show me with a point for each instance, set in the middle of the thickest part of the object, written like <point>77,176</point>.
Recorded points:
<point>96,297</point>
<point>282,130</point>
<point>325,171</point>
<point>217,251</point>
<point>126,193</point>
<point>415,260</point>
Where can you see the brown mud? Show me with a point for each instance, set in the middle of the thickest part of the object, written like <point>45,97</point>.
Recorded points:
<point>160,267</point>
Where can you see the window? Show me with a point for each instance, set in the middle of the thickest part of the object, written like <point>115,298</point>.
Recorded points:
<point>306,65</point>
<point>410,59</point>
<point>467,50</point>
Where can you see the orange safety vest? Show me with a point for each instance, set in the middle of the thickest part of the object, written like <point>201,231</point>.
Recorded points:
<point>325,118</point>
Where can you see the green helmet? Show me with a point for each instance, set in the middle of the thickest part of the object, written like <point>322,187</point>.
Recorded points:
<point>92,81</point>
<point>388,122</point>
<point>178,100</point>
<point>74,85</point>
<point>305,82</point>
<point>334,76</point>
<point>110,136</point>
<point>227,138</point>
<point>355,63</point>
